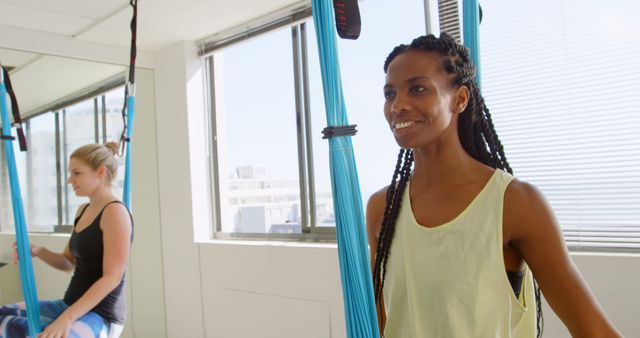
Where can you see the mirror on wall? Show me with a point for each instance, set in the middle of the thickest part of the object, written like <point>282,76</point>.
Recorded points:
<point>64,103</point>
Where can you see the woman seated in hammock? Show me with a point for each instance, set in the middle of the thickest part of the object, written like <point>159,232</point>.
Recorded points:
<point>452,239</point>
<point>97,253</point>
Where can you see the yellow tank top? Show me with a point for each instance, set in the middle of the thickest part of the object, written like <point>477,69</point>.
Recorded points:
<point>451,281</point>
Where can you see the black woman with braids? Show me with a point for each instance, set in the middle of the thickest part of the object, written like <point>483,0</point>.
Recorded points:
<point>455,239</point>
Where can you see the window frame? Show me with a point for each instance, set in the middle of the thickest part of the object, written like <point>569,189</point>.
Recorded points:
<point>310,231</point>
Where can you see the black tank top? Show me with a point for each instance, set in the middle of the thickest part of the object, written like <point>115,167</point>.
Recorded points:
<point>88,249</point>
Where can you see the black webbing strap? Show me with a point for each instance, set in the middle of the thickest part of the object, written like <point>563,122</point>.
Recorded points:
<point>132,74</point>
<point>347,18</point>
<point>134,29</point>
<point>335,131</point>
<point>17,121</point>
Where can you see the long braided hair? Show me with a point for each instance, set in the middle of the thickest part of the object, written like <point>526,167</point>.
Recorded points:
<point>476,133</point>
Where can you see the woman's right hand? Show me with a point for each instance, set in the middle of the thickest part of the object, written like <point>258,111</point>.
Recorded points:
<point>35,251</point>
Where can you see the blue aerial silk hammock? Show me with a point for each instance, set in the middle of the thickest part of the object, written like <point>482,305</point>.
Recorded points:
<point>27,277</point>
<point>129,108</point>
<point>131,104</point>
<point>470,32</point>
<point>355,270</point>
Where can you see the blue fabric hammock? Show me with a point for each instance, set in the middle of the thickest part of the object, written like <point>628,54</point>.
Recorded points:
<point>131,105</point>
<point>27,277</point>
<point>355,271</point>
<point>470,32</point>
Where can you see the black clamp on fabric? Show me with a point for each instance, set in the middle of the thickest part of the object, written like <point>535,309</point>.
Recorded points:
<point>22,140</point>
<point>335,131</point>
<point>123,143</point>
<point>347,16</point>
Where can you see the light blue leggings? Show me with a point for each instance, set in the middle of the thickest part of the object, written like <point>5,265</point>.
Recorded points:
<point>13,321</point>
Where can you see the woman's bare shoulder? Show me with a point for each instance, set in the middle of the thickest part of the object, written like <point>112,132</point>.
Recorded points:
<point>375,209</point>
<point>520,195</point>
<point>527,212</point>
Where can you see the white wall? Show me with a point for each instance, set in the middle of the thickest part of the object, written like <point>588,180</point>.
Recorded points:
<point>180,254</point>
<point>180,288</point>
<point>615,281</point>
<point>282,290</point>
<point>146,285</point>
<point>287,290</point>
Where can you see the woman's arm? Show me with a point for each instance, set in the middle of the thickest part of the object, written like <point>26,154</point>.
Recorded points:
<point>535,233</point>
<point>116,231</point>
<point>375,212</point>
<point>56,260</point>
<point>62,261</point>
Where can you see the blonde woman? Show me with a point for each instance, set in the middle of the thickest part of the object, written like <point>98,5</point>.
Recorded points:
<point>97,253</point>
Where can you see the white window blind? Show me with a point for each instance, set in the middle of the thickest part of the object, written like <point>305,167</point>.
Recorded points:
<point>562,80</point>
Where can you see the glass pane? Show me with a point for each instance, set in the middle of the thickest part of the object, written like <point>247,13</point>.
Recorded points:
<point>79,129</point>
<point>114,100</point>
<point>6,207</point>
<point>42,203</point>
<point>362,80</point>
<point>256,120</point>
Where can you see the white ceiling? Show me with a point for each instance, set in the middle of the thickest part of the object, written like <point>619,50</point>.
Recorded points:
<point>39,78</point>
<point>160,22</point>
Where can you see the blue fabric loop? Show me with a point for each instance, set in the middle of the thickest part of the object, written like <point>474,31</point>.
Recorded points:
<point>27,277</point>
<point>470,32</point>
<point>355,271</point>
<point>126,192</point>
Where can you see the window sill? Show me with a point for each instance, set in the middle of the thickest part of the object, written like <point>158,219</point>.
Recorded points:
<point>270,243</point>
<point>610,253</point>
<point>38,234</point>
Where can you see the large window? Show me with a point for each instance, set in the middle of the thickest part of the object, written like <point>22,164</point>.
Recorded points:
<point>6,205</point>
<point>43,170</point>
<point>79,128</point>
<point>41,207</point>
<point>561,80</point>
<point>270,163</point>
<point>258,163</point>
<point>111,105</point>
<point>557,76</point>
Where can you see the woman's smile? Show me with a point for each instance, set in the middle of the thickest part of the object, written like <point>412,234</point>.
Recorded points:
<point>405,127</point>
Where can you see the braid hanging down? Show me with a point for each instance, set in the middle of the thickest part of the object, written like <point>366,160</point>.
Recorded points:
<point>477,135</point>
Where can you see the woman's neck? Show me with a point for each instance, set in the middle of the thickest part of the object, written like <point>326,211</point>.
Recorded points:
<point>101,196</point>
<point>445,165</point>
